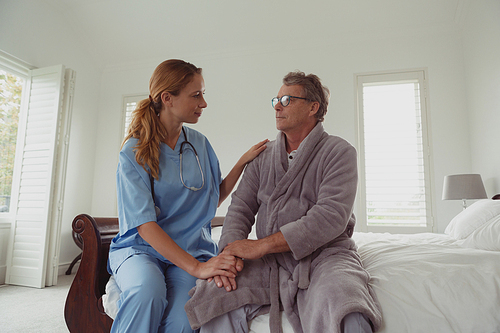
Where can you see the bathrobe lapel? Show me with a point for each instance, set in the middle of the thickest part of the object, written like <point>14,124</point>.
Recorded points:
<point>286,178</point>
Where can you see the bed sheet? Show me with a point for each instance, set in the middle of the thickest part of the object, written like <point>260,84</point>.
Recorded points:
<point>424,283</point>
<point>430,283</point>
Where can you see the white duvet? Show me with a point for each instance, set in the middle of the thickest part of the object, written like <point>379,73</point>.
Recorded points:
<point>429,283</point>
<point>424,282</point>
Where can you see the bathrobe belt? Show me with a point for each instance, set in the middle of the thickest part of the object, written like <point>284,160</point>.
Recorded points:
<point>303,270</point>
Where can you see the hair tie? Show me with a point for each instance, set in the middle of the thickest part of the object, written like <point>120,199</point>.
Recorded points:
<point>152,106</point>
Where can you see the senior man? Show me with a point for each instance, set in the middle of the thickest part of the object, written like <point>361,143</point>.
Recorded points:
<point>302,189</point>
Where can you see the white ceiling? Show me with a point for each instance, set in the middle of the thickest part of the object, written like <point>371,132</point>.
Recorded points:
<point>125,31</point>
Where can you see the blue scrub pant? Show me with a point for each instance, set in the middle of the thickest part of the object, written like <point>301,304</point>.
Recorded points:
<point>153,295</point>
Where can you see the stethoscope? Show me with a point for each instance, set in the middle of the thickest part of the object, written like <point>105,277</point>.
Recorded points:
<point>186,142</point>
<point>192,188</point>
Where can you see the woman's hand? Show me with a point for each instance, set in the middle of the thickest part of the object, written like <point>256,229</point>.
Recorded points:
<point>253,152</point>
<point>228,283</point>
<point>229,182</point>
<point>221,265</point>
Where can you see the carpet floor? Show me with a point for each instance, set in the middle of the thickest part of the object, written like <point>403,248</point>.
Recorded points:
<point>33,310</point>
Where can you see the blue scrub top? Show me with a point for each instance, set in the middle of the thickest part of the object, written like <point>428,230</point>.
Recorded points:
<point>185,214</point>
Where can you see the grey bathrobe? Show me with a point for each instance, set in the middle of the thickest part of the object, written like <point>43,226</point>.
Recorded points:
<point>321,279</point>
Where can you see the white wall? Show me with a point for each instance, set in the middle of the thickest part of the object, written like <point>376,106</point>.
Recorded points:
<point>240,87</point>
<point>482,68</point>
<point>39,35</point>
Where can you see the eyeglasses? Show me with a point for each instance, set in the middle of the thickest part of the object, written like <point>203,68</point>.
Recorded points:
<point>285,100</point>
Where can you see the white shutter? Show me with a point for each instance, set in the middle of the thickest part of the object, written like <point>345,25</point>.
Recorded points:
<point>59,178</point>
<point>33,178</point>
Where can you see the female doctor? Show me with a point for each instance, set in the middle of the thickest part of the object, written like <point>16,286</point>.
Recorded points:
<point>169,186</point>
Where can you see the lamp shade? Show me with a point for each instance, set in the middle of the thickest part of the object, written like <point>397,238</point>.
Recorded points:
<point>461,187</point>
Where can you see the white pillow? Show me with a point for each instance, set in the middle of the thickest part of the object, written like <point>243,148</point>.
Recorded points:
<point>486,237</point>
<point>111,297</point>
<point>478,214</point>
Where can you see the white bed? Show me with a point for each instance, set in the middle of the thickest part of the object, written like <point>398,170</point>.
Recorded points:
<point>426,282</point>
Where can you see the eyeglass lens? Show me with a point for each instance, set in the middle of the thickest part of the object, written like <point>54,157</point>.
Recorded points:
<point>284,100</point>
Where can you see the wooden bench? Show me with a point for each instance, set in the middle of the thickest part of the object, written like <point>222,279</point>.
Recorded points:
<point>83,311</point>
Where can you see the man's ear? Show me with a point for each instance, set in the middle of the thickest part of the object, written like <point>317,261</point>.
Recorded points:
<point>166,98</point>
<point>314,108</point>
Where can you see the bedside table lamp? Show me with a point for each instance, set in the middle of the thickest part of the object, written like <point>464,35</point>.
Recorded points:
<point>463,187</point>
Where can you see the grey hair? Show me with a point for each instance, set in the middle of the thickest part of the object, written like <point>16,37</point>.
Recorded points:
<point>313,89</point>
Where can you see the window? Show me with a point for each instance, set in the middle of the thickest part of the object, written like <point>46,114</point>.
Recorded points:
<point>395,190</point>
<point>11,87</point>
<point>129,105</point>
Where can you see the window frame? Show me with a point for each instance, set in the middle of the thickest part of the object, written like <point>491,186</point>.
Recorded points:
<point>125,100</point>
<point>21,69</point>
<point>421,75</point>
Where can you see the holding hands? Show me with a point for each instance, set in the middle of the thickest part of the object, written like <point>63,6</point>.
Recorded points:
<point>250,249</point>
<point>245,248</point>
<point>229,283</point>
<point>221,265</point>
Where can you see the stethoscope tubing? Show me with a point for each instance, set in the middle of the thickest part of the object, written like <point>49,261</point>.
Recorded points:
<point>192,188</point>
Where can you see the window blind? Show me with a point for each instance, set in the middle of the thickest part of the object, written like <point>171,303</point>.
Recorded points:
<point>129,108</point>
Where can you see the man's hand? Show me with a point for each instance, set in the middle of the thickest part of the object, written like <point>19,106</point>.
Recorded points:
<point>246,249</point>
<point>255,249</point>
